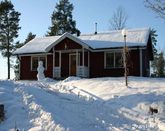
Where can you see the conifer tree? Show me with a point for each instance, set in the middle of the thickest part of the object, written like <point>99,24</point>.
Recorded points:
<point>160,65</point>
<point>9,26</point>
<point>62,19</point>
<point>30,36</point>
<point>155,54</point>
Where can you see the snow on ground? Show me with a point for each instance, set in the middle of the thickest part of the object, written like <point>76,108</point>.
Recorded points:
<point>76,104</point>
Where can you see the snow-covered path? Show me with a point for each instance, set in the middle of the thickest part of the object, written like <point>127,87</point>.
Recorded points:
<point>16,113</point>
<point>50,110</point>
<point>98,104</point>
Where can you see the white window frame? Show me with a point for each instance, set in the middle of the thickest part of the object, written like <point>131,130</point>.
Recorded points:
<point>105,62</point>
<point>38,56</point>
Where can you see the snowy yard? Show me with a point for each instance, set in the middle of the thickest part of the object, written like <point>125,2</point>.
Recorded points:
<point>75,104</point>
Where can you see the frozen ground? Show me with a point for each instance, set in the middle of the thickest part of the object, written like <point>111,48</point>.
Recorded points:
<point>74,104</point>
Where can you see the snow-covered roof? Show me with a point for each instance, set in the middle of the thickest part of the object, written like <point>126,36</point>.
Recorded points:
<point>45,44</point>
<point>37,45</point>
<point>112,39</point>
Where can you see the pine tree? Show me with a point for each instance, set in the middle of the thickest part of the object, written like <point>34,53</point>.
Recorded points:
<point>30,36</point>
<point>9,26</point>
<point>155,54</point>
<point>62,20</point>
<point>160,65</point>
<point>16,66</point>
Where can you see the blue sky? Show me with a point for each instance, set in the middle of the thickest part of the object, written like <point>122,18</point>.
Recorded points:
<point>35,18</point>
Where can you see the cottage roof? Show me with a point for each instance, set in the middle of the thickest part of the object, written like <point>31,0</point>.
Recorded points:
<point>112,39</point>
<point>45,44</point>
<point>37,45</point>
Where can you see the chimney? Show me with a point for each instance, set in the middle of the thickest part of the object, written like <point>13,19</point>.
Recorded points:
<point>95,28</point>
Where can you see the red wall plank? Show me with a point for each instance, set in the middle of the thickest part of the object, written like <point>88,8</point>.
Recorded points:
<point>27,74</point>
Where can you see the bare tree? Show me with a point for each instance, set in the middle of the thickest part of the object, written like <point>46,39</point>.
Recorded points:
<point>118,19</point>
<point>158,6</point>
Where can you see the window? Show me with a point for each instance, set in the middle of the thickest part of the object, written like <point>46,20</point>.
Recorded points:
<point>109,60</point>
<point>35,60</point>
<point>113,60</point>
<point>118,60</point>
<point>34,63</point>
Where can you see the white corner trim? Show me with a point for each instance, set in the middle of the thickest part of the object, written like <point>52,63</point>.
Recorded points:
<point>53,61</point>
<point>88,59</point>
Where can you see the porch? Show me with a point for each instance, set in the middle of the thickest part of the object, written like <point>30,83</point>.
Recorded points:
<point>71,62</point>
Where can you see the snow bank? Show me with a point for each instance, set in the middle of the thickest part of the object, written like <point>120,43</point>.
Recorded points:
<point>97,104</point>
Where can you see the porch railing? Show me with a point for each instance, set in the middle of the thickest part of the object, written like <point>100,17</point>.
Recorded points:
<point>57,72</point>
<point>82,71</point>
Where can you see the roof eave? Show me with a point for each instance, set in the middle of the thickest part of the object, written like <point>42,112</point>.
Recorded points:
<point>31,53</point>
<point>113,48</point>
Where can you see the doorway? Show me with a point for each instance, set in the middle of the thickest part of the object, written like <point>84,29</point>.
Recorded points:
<point>72,64</point>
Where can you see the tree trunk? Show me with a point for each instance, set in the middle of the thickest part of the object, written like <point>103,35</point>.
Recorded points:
<point>8,58</point>
<point>8,64</point>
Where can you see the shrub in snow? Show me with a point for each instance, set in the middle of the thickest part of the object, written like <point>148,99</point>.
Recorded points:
<point>152,108</point>
<point>40,69</point>
<point>158,107</point>
<point>144,107</point>
<point>161,108</point>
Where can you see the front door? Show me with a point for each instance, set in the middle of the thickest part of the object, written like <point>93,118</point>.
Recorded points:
<point>72,62</point>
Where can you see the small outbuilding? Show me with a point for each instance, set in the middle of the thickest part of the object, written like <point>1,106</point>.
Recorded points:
<point>90,55</point>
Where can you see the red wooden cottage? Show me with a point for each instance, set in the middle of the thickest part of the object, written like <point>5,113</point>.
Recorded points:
<point>91,55</point>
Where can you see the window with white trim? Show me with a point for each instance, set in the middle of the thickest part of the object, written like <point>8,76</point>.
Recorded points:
<point>113,60</point>
<point>35,60</point>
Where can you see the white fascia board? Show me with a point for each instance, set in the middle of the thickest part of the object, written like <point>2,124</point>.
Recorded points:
<point>35,54</point>
<point>117,49</point>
